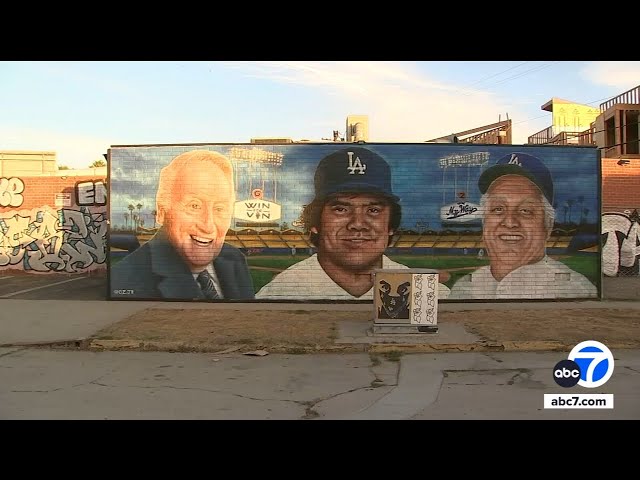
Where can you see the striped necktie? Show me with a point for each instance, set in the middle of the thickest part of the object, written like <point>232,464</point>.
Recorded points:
<point>206,284</point>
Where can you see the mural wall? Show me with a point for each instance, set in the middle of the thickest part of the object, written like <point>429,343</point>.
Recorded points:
<point>53,224</point>
<point>311,222</point>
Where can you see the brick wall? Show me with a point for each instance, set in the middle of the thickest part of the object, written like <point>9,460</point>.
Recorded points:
<point>621,218</point>
<point>620,185</point>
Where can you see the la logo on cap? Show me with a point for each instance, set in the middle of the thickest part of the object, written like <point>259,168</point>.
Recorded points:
<point>355,165</point>
<point>514,160</point>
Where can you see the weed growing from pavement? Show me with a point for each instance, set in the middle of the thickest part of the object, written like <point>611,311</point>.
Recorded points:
<point>392,356</point>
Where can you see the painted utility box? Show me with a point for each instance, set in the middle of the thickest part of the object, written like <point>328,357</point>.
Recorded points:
<point>405,300</point>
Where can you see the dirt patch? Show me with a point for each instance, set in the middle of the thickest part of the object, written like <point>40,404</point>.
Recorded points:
<point>568,326</point>
<point>293,331</point>
<point>302,331</point>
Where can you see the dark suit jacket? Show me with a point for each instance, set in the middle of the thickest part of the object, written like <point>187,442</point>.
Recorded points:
<point>156,270</point>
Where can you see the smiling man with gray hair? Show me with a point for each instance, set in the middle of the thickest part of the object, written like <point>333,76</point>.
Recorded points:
<point>518,217</point>
<point>188,258</point>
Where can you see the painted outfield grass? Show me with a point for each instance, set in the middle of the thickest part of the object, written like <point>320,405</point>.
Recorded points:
<point>586,265</point>
<point>272,264</point>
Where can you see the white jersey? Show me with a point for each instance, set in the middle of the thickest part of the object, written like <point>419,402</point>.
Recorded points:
<point>307,280</point>
<point>547,278</point>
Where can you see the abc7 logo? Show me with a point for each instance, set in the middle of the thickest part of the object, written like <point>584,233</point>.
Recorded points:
<point>566,373</point>
<point>590,364</point>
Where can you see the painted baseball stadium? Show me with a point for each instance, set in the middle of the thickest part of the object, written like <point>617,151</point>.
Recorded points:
<point>439,189</point>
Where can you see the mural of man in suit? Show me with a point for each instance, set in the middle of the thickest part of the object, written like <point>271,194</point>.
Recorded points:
<point>188,257</point>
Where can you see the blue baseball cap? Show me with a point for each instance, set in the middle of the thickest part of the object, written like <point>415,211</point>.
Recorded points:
<point>521,164</point>
<point>353,170</point>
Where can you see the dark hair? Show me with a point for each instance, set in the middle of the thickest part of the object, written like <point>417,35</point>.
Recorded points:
<point>312,212</point>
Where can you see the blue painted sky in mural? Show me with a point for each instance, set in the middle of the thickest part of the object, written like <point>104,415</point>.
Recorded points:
<point>418,179</point>
<point>78,109</point>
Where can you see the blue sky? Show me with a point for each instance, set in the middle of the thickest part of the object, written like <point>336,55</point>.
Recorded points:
<point>79,109</point>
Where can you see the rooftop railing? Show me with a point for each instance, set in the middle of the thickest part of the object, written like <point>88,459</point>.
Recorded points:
<point>630,96</point>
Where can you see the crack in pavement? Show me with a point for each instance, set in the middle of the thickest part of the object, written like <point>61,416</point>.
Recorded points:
<point>12,352</point>
<point>38,391</point>
<point>376,379</point>
<point>310,411</point>
<point>201,390</point>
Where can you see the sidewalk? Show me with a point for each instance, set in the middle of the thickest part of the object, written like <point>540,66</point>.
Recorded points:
<point>539,326</point>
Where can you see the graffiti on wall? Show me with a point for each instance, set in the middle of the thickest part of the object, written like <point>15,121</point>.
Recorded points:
<point>45,240</point>
<point>91,193</point>
<point>11,190</point>
<point>311,220</point>
<point>621,244</point>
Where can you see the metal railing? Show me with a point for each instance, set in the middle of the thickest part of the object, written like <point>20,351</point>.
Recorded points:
<point>630,96</point>
<point>541,137</point>
<point>573,138</point>
<point>489,137</point>
<point>546,137</point>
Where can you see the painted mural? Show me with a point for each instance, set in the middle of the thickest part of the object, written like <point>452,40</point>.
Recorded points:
<point>311,222</point>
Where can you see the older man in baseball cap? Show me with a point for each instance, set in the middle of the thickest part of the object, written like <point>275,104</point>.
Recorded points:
<point>351,221</point>
<point>518,218</point>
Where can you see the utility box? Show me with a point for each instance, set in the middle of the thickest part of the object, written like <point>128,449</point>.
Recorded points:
<point>405,301</point>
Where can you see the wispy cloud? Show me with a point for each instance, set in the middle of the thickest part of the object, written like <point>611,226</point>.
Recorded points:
<point>621,75</point>
<point>404,104</point>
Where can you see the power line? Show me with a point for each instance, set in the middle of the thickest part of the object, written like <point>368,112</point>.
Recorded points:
<point>535,69</point>
<point>494,75</point>
<point>521,74</point>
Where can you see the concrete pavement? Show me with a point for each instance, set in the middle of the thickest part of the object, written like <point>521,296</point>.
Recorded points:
<point>52,383</point>
<point>82,385</point>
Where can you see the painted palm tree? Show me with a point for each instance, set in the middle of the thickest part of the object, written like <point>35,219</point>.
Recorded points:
<point>580,206</point>
<point>131,209</point>
<point>570,202</point>
<point>126,220</point>
<point>139,206</point>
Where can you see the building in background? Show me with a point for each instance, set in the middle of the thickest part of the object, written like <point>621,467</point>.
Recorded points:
<point>614,129</point>
<point>51,220</point>
<point>498,133</point>
<point>568,122</point>
<point>357,128</point>
<point>14,163</point>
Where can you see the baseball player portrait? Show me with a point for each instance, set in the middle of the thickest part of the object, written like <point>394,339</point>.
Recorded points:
<point>351,222</point>
<point>517,220</point>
